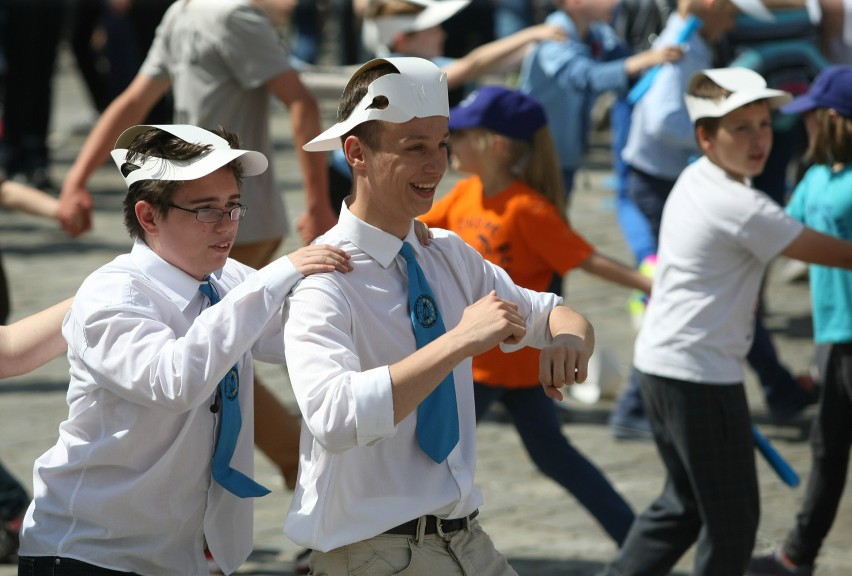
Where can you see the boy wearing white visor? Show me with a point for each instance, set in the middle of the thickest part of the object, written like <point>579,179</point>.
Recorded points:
<point>717,236</point>
<point>380,360</point>
<point>155,458</point>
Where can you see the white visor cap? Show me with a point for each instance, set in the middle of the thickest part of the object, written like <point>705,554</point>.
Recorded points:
<point>755,9</point>
<point>746,86</point>
<point>418,91</point>
<point>377,34</point>
<point>154,168</point>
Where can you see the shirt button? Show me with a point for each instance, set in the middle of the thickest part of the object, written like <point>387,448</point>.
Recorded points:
<point>458,468</point>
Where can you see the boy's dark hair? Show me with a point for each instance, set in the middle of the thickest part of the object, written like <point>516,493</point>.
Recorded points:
<point>704,87</point>
<point>159,193</point>
<point>368,132</point>
<point>833,140</point>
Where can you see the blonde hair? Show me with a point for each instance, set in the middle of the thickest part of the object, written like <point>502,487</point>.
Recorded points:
<point>833,140</point>
<point>535,163</point>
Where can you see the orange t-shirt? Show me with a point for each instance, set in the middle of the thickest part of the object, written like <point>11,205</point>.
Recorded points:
<point>523,233</point>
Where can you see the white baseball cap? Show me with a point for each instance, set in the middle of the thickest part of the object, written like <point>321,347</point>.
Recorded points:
<point>155,168</point>
<point>755,9</point>
<point>419,90</point>
<point>377,34</point>
<point>746,86</point>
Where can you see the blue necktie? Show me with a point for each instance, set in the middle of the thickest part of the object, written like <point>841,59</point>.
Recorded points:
<point>437,415</point>
<point>227,400</point>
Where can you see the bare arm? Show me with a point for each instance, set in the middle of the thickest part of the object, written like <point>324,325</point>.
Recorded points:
<point>499,55</point>
<point>818,248</point>
<point>484,324</point>
<point>615,271</point>
<point>23,198</point>
<point>305,119</point>
<point>33,341</point>
<point>129,108</point>
<point>635,65</point>
<point>566,360</point>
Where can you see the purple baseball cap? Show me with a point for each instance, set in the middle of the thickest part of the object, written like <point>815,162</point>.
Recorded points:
<point>501,110</point>
<point>832,88</point>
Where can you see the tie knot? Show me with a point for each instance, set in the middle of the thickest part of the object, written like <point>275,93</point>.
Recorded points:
<point>407,252</point>
<point>207,289</point>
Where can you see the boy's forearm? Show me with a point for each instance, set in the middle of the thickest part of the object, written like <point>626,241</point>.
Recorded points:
<point>615,271</point>
<point>23,198</point>
<point>565,320</point>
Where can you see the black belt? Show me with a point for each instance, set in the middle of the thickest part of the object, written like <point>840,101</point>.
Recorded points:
<point>432,525</point>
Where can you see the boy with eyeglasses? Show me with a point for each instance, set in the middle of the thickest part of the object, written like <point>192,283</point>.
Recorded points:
<point>141,480</point>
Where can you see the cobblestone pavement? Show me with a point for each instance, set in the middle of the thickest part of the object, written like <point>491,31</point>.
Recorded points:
<point>541,529</point>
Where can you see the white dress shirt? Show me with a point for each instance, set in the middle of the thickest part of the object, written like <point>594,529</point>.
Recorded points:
<point>359,474</point>
<point>128,484</point>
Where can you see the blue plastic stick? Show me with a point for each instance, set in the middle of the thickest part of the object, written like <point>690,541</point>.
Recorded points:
<point>781,466</point>
<point>644,83</point>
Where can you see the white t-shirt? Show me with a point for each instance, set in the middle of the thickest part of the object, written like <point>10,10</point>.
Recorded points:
<point>218,55</point>
<point>716,238</point>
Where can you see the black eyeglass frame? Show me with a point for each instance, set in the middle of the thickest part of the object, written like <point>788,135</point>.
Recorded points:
<point>215,215</point>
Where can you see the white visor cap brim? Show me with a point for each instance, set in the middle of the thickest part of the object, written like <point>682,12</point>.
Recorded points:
<point>746,86</point>
<point>418,91</point>
<point>154,168</point>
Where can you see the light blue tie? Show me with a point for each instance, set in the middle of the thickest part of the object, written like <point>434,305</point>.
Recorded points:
<point>227,400</point>
<point>437,415</point>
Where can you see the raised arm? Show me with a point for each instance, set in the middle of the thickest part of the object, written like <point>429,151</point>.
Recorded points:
<point>566,360</point>
<point>305,120</point>
<point>129,108</point>
<point>499,55</point>
<point>484,324</point>
<point>33,341</point>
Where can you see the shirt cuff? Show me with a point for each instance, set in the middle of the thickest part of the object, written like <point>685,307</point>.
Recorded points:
<point>373,396</point>
<point>279,277</point>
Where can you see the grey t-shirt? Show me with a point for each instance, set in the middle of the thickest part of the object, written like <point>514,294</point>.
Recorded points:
<point>218,55</point>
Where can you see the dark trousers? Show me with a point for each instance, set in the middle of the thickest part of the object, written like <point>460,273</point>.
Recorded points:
<point>57,566</point>
<point>831,440</point>
<point>703,435</point>
<point>537,421</point>
<point>13,496</point>
<point>29,42</point>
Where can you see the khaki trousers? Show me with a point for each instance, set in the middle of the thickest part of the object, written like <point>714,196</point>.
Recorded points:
<point>468,552</point>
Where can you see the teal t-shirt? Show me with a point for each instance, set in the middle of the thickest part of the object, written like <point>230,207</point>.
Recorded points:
<point>823,201</point>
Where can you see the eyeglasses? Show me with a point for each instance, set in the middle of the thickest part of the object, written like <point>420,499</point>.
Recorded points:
<point>212,215</point>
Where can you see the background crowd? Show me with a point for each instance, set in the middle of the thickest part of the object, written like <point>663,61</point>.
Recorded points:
<point>110,40</point>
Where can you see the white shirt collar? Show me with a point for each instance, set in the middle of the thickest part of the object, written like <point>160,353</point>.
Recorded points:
<point>180,287</point>
<point>379,245</point>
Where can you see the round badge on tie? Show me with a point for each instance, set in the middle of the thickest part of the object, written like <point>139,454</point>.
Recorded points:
<point>232,385</point>
<point>425,311</point>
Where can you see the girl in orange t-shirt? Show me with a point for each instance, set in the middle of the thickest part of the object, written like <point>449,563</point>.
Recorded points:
<point>512,211</point>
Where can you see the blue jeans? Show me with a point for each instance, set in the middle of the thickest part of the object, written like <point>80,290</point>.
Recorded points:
<point>649,193</point>
<point>537,421</point>
<point>634,226</point>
